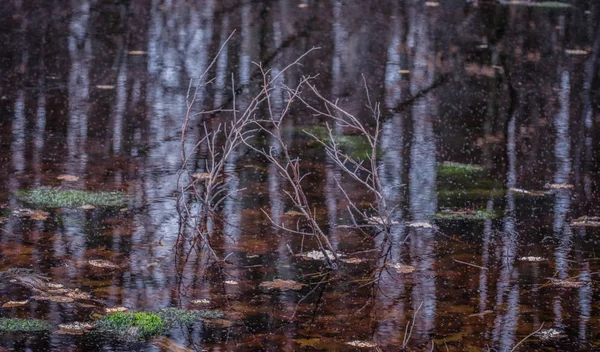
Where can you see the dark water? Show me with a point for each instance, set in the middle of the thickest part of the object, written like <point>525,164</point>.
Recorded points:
<point>98,89</point>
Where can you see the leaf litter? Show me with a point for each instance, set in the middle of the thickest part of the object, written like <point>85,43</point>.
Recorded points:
<point>283,285</point>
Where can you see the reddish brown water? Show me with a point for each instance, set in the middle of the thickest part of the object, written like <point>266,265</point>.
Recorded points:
<point>98,89</point>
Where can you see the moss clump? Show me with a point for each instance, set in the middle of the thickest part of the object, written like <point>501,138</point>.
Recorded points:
<point>138,325</point>
<point>71,198</point>
<point>464,215</point>
<point>24,325</point>
<point>449,168</point>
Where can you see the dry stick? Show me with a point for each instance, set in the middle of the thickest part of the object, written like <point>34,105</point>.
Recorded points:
<point>526,337</point>
<point>470,264</point>
<point>405,339</point>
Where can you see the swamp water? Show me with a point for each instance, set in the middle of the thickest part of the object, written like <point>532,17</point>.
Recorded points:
<point>489,149</point>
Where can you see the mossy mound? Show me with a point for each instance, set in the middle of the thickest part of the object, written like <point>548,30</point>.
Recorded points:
<point>71,198</point>
<point>132,326</point>
<point>143,325</point>
<point>23,325</point>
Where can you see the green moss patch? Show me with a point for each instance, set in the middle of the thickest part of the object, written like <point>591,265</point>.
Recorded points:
<point>71,198</point>
<point>468,214</point>
<point>23,325</point>
<point>176,316</point>
<point>137,325</point>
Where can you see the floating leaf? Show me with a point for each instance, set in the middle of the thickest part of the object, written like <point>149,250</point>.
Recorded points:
<point>318,255</point>
<point>116,310</point>
<point>12,304</point>
<point>32,214</point>
<point>576,52</point>
<point>101,263</point>
<point>87,207</point>
<point>432,4</point>
<point>480,315</point>
<point>293,213</point>
<point>568,283</point>
<point>166,344</point>
<point>137,52</point>
<point>61,299</point>
<point>420,225</point>
<point>3,219</point>
<point>68,178</point>
<point>404,71</point>
<point>402,268</point>
<point>105,86</point>
<point>282,285</point>
<point>202,176</point>
<point>231,282</point>
<point>201,301</point>
<point>532,259</point>
<point>75,328</point>
<point>54,285</point>
<point>351,260</point>
<point>550,334</point>
<point>77,294</point>
<point>558,186</point>
<point>302,5</point>
<point>362,344</point>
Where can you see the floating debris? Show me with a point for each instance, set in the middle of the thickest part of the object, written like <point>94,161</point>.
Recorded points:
<point>362,344</point>
<point>283,285</point>
<point>54,285</point>
<point>202,176</point>
<point>32,214</point>
<point>137,52</point>
<point>75,328</point>
<point>101,263</point>
<point>293,213</point>
<point>480,315</point>
<point>77,294</point>
<point>12,304</point>
<point>432,4</point>
<point>302,5</point>
<point>526,192</point>
<point>402,268</point>
<point>231,282</point>
<point>105,86</point>
<point>532,259</point>
<point>420,225</point>
<point>68,178</point>
<point>576,52</point>
<point>87,207</point>
<point>166,344</point>
<point>3,219</point>
<point>61,299</point>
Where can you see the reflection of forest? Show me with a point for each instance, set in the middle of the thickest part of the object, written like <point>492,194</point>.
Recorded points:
<point>99,89</point>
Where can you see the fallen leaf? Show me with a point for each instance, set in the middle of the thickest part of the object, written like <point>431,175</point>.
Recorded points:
<point>218,321</point>
<point>137,52</point>
<point>402,268</point>
<point>318,255</point>
<point>302,6</point>
<point>558,186</point>
<point>55,285</point>
<point>61,299</point>
<point>532,259</point>
<point>379,220</point>
<point>75,328</point>
<point>576,52</point>
<point>282,285</point>
<point>116,310</point>
<point>231,282</point>
<point>201,301</point>
<point>166,344</point>
<point>202,176</point>
<point>432,4</point>
<point>87,207</point>
<point>12,304</point>
<point>101,263</point>
<point>105,86</point>
<point>32,214</point>
<point>568,283</point>
<point>404,71</point>
<point>68,178</point>
<point>351,260</point>
<point>3,219</point>
<point>420,225</point>
<point>76,294</point>
<point>363,344</point>
<point>293,213</point>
